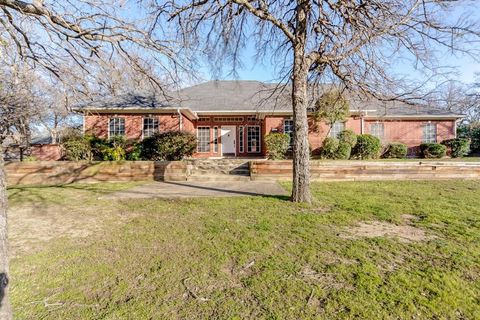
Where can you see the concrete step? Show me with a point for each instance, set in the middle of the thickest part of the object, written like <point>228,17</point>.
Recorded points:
<point>227,168</point>
<point>218,177</point>
<point>221,173</point>
<point>224,171</point>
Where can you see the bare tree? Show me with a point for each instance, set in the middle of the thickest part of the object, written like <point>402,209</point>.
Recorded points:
<point>350,43</point>
<point>73,41</point>
<point>458,97</point>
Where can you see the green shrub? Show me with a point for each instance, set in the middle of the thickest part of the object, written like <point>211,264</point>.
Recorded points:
<point>329,148</point>
<point>395,151</point>
<point>171,146</point>
<point>367,147</point>
<point>433,150</point>
<point>113,149</point>
<point>475,139</point>
<point>277,145</point>
<point>96,146</point>
<point>344,151</point>
<point>134,152</point>
<point>472,133</point>
<point>77,148</point>
<point>349,137</point>
<point>459,147</point>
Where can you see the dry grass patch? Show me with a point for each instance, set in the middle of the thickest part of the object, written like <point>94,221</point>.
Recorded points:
<point>374,229</point>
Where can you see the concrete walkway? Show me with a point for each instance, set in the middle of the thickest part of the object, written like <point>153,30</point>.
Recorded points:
<point>200,189</point>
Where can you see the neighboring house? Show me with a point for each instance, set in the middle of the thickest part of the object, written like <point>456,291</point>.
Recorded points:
<point>231,118</point>
<point>43,147</point>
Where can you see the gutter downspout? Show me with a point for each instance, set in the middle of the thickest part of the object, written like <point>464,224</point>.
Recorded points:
<point>180,120</point>
<point>362,124</point>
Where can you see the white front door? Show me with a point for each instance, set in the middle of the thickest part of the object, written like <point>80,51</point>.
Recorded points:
<point>228,135</point>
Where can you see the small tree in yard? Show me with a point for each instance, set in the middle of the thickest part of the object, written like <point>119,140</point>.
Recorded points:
<point>277,145</point>
<point>331,107</point>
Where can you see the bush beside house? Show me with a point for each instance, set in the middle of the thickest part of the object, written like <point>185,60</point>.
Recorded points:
<point>395,151</point>
<point>458,147</point>
<point>277,145</point>
<point>170,146</point>
<point>173,145</point>
<point>433,150</point>
<point>367,147</point>
<point>472,133</point>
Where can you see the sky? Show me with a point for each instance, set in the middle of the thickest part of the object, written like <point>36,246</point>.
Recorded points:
<point>464,68</point>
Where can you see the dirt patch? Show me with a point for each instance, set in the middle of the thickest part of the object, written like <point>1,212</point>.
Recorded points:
<point>404,233</point>
<point>30,227</point>
<point>326,280</point>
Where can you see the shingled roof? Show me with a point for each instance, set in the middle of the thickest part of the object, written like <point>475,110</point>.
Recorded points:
<point>251,96</point>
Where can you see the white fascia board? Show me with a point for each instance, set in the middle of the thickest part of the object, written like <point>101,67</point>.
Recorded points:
<point>414,117</point>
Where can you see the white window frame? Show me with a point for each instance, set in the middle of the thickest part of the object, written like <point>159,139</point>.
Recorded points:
<point>290,133</point>
<point>333,129</point>
<point>209,139</point>
<point>124,126</point>
<point>259,138</point>
<point>426,138</point>
<point>157,129</point>
<point>382,125</point>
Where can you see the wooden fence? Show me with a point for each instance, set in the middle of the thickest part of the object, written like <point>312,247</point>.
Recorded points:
<point>368,170</point>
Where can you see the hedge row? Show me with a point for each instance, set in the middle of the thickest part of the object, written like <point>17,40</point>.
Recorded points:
<point>173,145</point>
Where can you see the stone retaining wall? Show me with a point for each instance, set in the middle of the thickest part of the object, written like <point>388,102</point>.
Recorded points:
<point>62,172</point>
<point>367,170</point>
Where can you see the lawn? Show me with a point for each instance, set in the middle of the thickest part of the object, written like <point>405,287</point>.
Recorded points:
<point>248,257</point>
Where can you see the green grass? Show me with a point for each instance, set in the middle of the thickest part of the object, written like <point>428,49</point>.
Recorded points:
<point>259,258</point>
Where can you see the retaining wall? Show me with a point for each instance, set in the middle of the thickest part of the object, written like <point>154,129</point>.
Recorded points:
<point>62,172</point>
<point>367,170</point>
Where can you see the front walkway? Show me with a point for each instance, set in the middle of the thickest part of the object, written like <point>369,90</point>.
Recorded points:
<point>190,189</point>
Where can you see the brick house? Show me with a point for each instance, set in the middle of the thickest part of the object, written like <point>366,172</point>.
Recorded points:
<point>231,118</point>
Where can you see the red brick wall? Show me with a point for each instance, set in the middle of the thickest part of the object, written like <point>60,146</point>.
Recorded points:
<point>410,132</point>
<point>47,152</point>
<point>97,124</point>
<point>317,131</point>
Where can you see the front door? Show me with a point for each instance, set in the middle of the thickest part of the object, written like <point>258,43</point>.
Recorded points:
<point>228,135</point>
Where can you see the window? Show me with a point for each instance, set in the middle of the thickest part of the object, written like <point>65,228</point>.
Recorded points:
<point>430,133</point>
<point>377,130</point>
<point>240,139</point>
<point>228,119</point>
<point>253,139</point>
<point>288,129</point>
<point>203,119</point>
<point>215,139</point>
<point>336,129</point>
<point>116,127</point>
<point>203,137</point>
<point>150,127</point>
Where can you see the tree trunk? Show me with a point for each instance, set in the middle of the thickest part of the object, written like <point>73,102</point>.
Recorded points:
<point>5,310</point>
<point>301,149</point>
